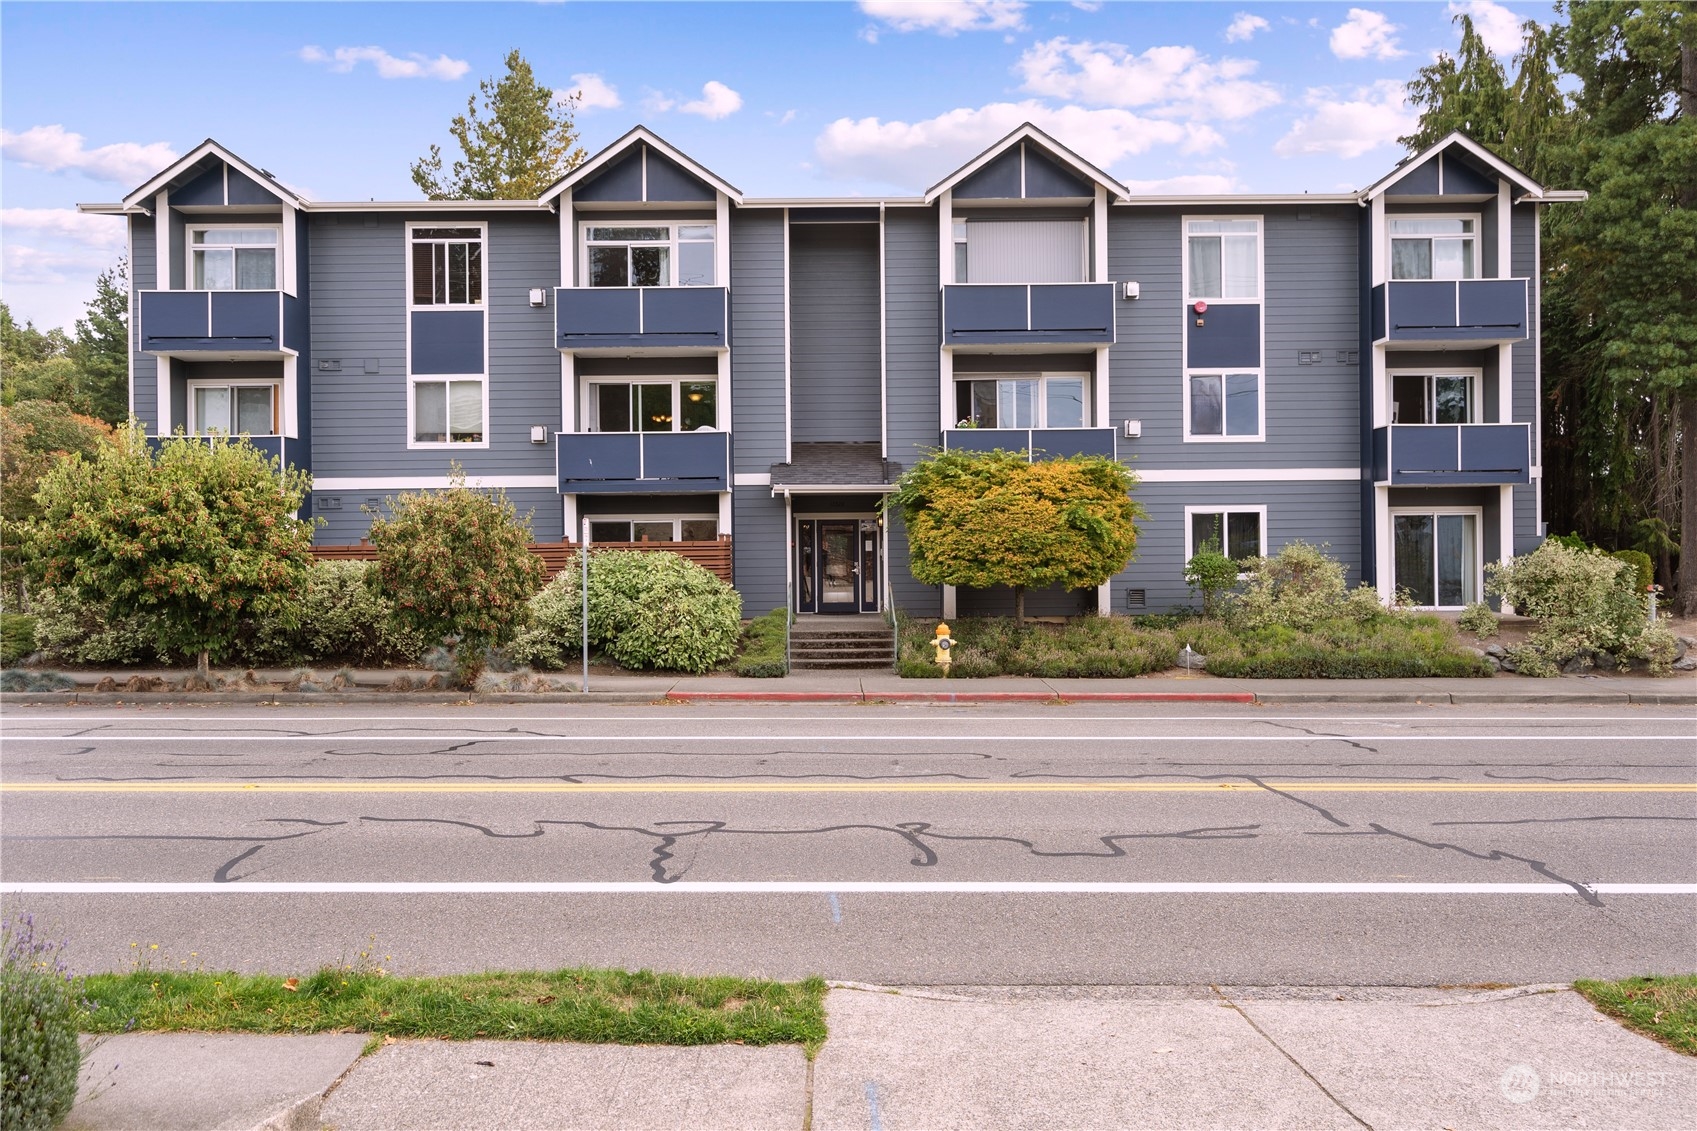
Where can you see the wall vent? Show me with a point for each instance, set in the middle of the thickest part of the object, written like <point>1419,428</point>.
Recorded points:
<point>1308,357</point>
<point>1136,599</point>
<point>1348,357</point>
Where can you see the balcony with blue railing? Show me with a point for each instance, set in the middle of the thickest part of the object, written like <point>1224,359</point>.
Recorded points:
<point>251,323</point>
<point>271,447</point>
<point>591,463</point>
<point>1449,312</point>
<point>1028,314</point>
<point>643,318</point>
<point>1041,443</point>
<point>1452,455</point>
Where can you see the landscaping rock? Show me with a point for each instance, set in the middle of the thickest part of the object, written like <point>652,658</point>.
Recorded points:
<point>1687,664</point>
<point>1494,650</point>
<point>1579,664</point>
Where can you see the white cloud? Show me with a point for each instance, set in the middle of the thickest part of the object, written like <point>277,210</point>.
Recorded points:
<point>593,93</point>
<point>1366,35</point>
<point>1243,27</point>
<point>1087,5</point>
<point>785,119</point>
<point>1177,82</point>
<point>68,223</point>
<point>414,66</point>
<point>1496,25</point>
<point>915,154</point>
<point>55,149</point>
<point>717,101</point>
<point>1188,184</point>
<point>945,17</point>
<point>1374,116</point>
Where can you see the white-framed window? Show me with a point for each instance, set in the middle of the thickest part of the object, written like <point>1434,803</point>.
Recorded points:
<point>232,257</point>
<point>1224,405</point>
<point>1435,398</point>
<point>674,253</point>
<point>1222,259</point>
<point>653,404</point>
<point>1002,250</point>
<point>447,411</point>
<point>653,528</point>
<point>1434,247</point>
<point>1240,533</point>
<point>235,408</point>
<point>445,265</point>
<point>1436,556</point>
<point>1023,400</point>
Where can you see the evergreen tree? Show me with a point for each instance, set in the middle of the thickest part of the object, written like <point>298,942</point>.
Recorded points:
<point>1466,92</point>
<point>102,346</point>
<point>524,141</point>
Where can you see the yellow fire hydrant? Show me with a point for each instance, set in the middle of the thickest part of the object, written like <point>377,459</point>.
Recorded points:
<point>942,644</point>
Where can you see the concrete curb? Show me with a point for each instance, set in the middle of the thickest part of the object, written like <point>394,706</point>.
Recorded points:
<point>1269,698</point>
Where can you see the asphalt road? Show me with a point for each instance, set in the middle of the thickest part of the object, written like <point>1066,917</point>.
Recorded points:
<point>930,845</point>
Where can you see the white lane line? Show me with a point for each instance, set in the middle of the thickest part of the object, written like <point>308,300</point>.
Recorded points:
<point>789,887</point>
<point>504,736</point>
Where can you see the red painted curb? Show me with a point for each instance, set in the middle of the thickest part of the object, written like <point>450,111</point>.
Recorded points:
<point>970,696</point>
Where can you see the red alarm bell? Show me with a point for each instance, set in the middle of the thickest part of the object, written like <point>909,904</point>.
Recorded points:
<point>1201,307</point>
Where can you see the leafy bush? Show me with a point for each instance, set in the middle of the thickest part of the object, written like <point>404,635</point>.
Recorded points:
<point>1584,601</point>
<point>554,633</point>
<point>457,563</point>
<point>71,631</point>
<point>340,618</point>
<point>1478,619</point>
<point>1644,569</point>
<point>1211,574</point>
<point>39,1011</point>
<point>1401,647</point>
<point>659,610</point>
<point>763,646</point>
<point>17,637</point>
<point>202,534</point>
<point>1300,587</point>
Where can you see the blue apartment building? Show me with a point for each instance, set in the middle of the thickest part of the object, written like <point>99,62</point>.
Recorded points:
<point>646,354</point>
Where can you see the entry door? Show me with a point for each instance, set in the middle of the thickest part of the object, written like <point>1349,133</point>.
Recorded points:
<point>837,566</point>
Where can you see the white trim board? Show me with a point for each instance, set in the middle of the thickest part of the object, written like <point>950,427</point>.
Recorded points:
<point>1251,475</point>
<point>430,482</point>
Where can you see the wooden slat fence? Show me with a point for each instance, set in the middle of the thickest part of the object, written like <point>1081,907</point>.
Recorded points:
<point>714,556</point>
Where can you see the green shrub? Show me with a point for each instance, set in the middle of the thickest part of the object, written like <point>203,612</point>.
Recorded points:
<point>17,637</point>
<point>762,654</point>
<point>340,617</point>
<point>39,1011</point>
<point>1478,619</point>
<point>68,631</point>
<point>1211,574</point>
<point>1643,568</point>
<point>456,563</point>
<point>1584,601</point>
<point>554,634</point>
<point>658,610</point>
<point>1298,587</point>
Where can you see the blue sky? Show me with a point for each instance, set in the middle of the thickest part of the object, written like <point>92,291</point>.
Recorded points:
<point>781,99</point>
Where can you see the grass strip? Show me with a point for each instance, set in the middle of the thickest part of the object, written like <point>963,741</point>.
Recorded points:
<point>594,1006</point>
<point>1659,1006</point>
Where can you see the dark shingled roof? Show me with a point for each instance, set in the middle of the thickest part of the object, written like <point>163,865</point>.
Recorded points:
<point>835,465</point>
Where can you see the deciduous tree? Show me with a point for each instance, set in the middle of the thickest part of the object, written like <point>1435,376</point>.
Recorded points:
<point>523,141</point>
<point>995,518</point>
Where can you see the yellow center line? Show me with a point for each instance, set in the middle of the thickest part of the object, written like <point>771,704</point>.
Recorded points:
<point>845,787</point>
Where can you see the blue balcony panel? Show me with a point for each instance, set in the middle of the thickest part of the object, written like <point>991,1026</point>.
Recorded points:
<point>639,318</point>
<point>211,321</point>
<point>1452,455</point>
<point>271,447</point>
<point>1042,443</point>
<point>642,462</point>
<point>1028,314</point>
<point>1450,312</point>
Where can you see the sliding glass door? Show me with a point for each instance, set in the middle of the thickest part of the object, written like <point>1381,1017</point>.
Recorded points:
<point>1437,558</point>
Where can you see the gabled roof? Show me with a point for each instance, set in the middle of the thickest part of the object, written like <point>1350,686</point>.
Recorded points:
<point>199,153</point>
<point>1027,132</point>
<point>617,149</point>
<point>1474,149</point>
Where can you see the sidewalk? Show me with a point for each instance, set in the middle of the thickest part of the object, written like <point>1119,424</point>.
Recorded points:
<point>1051,1057</point>
<point>867,686</point>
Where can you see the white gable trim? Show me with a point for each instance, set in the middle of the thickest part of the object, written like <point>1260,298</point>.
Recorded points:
<point>618,149</point>
<point>193,157</point>
<point>1503,168</point>
<point>1028,132</point>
